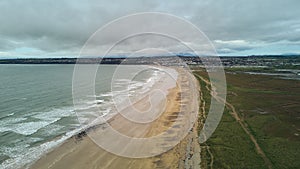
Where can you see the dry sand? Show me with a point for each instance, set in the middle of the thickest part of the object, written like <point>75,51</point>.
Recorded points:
<point>181,101</point>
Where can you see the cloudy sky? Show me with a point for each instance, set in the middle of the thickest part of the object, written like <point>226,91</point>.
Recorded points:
<point>47,28</point>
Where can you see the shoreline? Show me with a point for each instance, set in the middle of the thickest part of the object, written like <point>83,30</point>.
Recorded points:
<point>80,151</point>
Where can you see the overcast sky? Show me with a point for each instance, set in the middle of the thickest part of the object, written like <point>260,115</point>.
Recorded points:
<point>47,28</point>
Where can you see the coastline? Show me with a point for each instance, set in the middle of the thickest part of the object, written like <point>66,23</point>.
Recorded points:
<point>81,152</point>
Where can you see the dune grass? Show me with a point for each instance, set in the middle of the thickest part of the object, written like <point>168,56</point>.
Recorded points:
<point>270,109</point>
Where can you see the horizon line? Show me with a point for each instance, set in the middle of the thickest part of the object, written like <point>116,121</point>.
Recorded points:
<point>179,55</point>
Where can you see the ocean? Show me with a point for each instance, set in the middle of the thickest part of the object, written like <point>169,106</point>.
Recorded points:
<point>36,105</point>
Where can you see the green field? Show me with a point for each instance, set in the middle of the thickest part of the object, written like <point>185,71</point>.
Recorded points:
<point>270,111</point>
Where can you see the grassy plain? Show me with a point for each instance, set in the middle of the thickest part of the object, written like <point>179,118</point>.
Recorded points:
<point>269,110</point>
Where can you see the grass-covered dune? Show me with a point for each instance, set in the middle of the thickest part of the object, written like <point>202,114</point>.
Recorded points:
<point>269,111</point>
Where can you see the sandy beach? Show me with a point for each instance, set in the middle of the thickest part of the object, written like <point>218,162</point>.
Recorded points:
<point>180,104</point>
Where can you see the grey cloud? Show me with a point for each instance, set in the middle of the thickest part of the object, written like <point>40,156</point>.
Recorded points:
<point>52,25</point>
<point>248,20</point>
<point>65,25</point>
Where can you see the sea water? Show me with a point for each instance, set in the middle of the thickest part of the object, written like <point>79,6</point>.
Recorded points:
<point>36,105</point>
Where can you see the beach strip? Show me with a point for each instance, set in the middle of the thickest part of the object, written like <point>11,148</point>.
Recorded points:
<point>82,152</point>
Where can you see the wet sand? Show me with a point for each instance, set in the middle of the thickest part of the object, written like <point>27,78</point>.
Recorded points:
<point>180,104</point>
